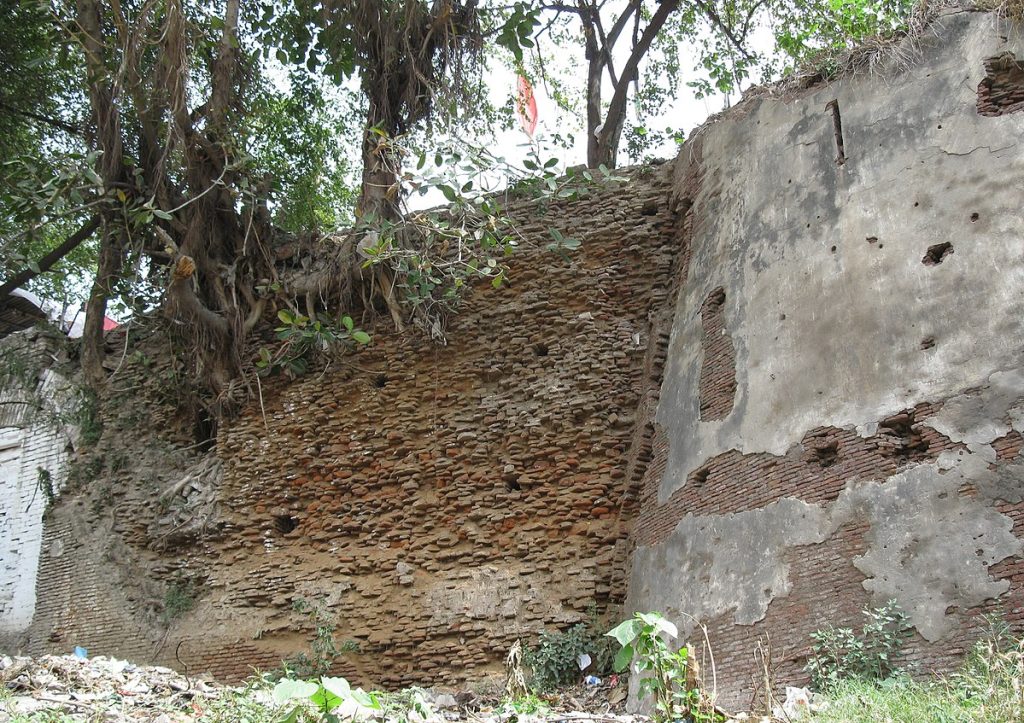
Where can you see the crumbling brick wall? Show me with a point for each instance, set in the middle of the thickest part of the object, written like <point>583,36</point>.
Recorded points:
<point>465,496</point>
<point>436,502</point>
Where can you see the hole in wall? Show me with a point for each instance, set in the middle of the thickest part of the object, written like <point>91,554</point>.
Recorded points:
<point>937,254</point>
<point>1001,91</point>
<point>975,216</point>
<point>833,249</point>
<point>540,349</point>
<point>717,383</point>
<point>826,454</point>
<point>928,343</point>
<point>837,130</point>
<point>285,523</point>
<point>380,381</point>
<point>872,239</point>
<point>700,476</point>
<point>204,431</point>
<point>650,208</point>
<point>512,485</point>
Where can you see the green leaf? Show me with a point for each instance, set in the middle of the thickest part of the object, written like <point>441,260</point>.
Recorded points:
<point>286,316</point>
<point>288,689</point>
<point>626,631</point>
<point>448,192</point>
<point>347,322</point>
<point>361,337</point>
<point>367,700</point>
<point>659,623</point>
<point>623,658</point>
<point>325,700</point>
<point>337,686</point>
<point>162,214</point>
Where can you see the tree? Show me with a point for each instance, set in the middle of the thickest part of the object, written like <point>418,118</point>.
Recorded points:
<point>45,221</point>
<point>633,34</point>
<point>181,153</point>
<point>661,26</point>
<point>408,56</point>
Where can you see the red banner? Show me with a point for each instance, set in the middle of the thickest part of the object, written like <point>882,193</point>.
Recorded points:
<point>526,106</point>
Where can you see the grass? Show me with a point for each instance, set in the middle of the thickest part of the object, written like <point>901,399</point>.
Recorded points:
<point>988,687</point>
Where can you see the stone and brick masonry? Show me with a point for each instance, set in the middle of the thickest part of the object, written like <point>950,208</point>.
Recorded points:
<point>781,380</point>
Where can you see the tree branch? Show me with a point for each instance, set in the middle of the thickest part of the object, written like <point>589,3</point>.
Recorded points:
<point>53,122</point>
<point>616,115</point>
<point>716,20</point>
<point>46,262</point>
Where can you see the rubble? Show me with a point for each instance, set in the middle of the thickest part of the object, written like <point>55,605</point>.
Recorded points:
<point>100,688</point>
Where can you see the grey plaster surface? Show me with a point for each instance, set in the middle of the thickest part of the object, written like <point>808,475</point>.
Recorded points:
<point>981,416</point>
<point>828,302</point>
<point>720,564</point>
<point>929,547</point>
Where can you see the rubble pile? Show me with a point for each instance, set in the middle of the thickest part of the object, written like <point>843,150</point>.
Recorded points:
<point>96,688</point>
<point>78,688</point>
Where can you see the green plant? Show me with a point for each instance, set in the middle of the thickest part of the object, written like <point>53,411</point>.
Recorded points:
<point>553,662</point>
<point>301,336</point>
<point>322,649</point>
<point>664,673</point>
<point>326,694</point>
<point>85,414</point>
<point>526,705</point>
<point>839,654</point>
<point>179,598</point>
<point>83,470</point>
<point>44,482</point>
<point>410,705</point>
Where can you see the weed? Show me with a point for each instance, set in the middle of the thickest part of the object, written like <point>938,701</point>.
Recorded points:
<point>85,415</point>
<point>323,651</point>
<point>84,470</point>
<point>525,705</point>
<point>553,662</point>
<point>44,482</point>
<point>326,694</point>
<point>667,675</point>
<point>839,654</point>
<point>179,599</point>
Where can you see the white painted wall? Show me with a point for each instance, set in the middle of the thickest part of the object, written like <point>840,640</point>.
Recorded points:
<point>23,451</point>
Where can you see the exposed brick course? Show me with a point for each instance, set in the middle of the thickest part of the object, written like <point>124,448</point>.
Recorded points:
<point>1002,89</point>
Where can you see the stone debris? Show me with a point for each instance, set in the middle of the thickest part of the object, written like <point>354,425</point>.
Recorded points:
<point>102,688</point>
<point>99,688</point>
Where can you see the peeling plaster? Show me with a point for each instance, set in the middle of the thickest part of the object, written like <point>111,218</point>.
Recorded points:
<point>729,563</point>
<point>929,547</point>
<point>978,417</point>
<point>828,325</point>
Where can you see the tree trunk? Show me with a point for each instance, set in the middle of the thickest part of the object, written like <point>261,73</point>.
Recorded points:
<point>106,115</point>
<point>378,198</point>
<point>607,142</point>
<point>595,71</point>
<point>107,269</point>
